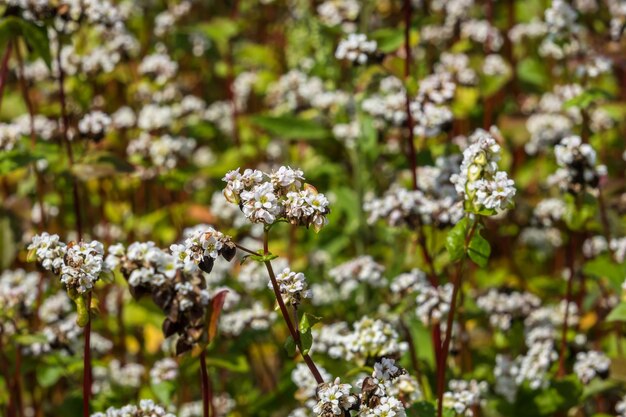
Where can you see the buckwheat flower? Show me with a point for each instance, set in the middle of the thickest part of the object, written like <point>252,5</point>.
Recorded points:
<point>503,307</point>
<point>287,178</point>
<point>459,66</point>
<point>482,32</point>
<point>304,380</point>
<point>348,133</point>
<point>253,275</point>
<point>591,364</point>
<point>464,395</point>
<point>483,186</point>
<point>407,282</point>
<point>18,291</point>
<point>388,407</point>
<point>49,251</point>
<point>355,48</point>
<point>373,338</point>
<point>292,286</point>
<point>495,66</point>
<point>577,162</point>
<point>594,246</point>
<point>83,265</point>
<point>546,130</point>
<point>146,408</point>
<point>164,370</point>
<point>437,88</point>
<point>9,136</point>
<point>94,125</point>
<point>549,211</point>
<point>430,119</point>
<point>362,269</point>
<point>335,12</point>
<point>123,118</point>
<point>223,404</point>
<point>493,194</point>
<point>256,318</point>
<point>334,399</point>
<point>200,250</point>
<point>433,303</point>
<point>160,66</point>
<point>154,117</point>
<point>260,205</point>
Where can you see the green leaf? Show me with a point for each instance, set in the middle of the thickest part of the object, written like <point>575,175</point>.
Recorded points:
<point>479,250</point>
<point>163,391</point>
<point>291,127</point>
<point>532,71</point>
<point>587,98</point>
<point>422,409</point>
<point>30,339</point>
<point>307,321</point>
<point>306,341</point>
<point>290,346</point>
<point>36,37</point>
<point>618,313</point>
<point>13,160</point>
<point>455,240</point>
<point>388,39</point>
<point>47,376</point>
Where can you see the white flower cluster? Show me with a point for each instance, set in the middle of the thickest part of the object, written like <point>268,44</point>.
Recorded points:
<point>297,91</point>
<point>350,274</point>
<point>253,275</point>
<point>504,307</point>
<point>256,317</point>
<point>165,21</point>
<point>164,370</point>
<point>482,32</point>
<point>200,250</point>
<point>306,383</point>
<point>429,110</point>
<point>549,211</point>
<point>483,186</point>
<point>370,338</point>
<point>407,282</point>
<point>433,303</point>
<point>458,65</point>
<point>389,104</point>
<point>435,202</point>
<point>464,395</point>
<point>129,375</point>
<point>161,153</point>
<point>591,364</point>
<point>160,66</point>
<point>577,166</point>
<point>79,265</point>
<point>495,66</point>
<point>18,291</point>
<point>339,12</point>
<point>143,262</point>
<point>334,399</point>
<point>223,404</point>
<point>279,195</point>
<point>379,392</point>
<point>546,129</point>
<point>94,125</point>
<point>293,287</point>
<point>355,48</point>
<point>146,408</point>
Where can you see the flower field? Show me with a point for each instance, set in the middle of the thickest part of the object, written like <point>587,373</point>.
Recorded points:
<point>312,208</point>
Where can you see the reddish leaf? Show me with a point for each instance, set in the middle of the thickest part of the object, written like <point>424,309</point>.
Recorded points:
<point>217,303</point>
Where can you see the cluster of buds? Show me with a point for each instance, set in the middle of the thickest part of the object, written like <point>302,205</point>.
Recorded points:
<point>79,266</point>
<point>486,190</point>
<point>175,280</point>
<point>281,195</point>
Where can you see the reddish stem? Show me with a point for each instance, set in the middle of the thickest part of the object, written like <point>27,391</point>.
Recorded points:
<point>207,388</point>
<point>295,333</point>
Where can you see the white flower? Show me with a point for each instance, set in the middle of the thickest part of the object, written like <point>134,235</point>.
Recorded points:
<point>356,48</point>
